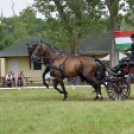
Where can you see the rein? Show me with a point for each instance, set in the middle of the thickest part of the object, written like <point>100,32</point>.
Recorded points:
<point>55,67</point>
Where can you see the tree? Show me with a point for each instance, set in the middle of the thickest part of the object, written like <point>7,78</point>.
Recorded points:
<point>115,8</point>
<point>107,23</point>
<point>129,25</point>
<point>72,21</point>
<point>28,16</point>
<point>17,28</point>
<point>32,24</point>
<point>14,30</point>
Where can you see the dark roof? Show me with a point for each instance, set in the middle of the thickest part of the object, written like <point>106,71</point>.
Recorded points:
<point>20,48</point>
<point>90,46</point>
<point>100,45</point>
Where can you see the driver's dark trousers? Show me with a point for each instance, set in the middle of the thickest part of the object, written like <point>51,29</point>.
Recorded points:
<point>122,60</point>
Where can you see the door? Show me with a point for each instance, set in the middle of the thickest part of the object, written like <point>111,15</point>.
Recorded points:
<point>14,66</point>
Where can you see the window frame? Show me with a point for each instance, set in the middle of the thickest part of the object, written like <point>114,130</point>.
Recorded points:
<point>33,66</point>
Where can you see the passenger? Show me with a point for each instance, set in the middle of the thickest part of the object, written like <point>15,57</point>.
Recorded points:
<point>131,55</point>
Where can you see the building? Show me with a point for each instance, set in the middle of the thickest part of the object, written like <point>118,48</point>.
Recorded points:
<point>15,57</point>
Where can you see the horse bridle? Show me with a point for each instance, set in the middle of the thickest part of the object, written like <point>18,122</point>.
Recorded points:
<point>39,50</point>
<point>52,58</point>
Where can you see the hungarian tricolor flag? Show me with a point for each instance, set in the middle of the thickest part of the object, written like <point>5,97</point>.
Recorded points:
<point>122,39</point>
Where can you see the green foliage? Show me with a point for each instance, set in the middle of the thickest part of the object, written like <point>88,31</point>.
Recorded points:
<point>54,36</point>
<point>120,11</point>
<point>107,24</point>
<point>127,23</point>
<point>67,21</point>
<point>73,20</point>
<point>19,27</point>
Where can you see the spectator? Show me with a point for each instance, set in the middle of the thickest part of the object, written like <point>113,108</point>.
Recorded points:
<point>11,72</point>
<point>12,75</point>
<point>20,80</point>
<point>9,80</point>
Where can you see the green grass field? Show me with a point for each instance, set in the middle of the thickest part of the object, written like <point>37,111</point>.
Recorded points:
<point>42,111</point>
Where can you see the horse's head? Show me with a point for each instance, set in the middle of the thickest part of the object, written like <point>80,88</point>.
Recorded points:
<point>38,53</point>
<point>31,47</point>
<point>31,50</point>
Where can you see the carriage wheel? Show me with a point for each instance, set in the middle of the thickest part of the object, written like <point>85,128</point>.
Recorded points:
<point>118,90</point>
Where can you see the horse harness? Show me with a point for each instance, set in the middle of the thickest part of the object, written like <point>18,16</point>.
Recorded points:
<point>55,67</point>
<point>60,68</point>
<point>63,63</point>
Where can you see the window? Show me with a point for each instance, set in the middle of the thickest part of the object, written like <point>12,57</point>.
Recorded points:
<point>37,66</point>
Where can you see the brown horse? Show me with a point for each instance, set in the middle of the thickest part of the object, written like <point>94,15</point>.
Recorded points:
<point>63,66</point>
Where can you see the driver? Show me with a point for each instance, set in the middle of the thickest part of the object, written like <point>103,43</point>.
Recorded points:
<point>129,51</point>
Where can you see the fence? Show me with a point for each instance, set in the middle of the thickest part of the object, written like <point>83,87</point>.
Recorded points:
<point>43,87</point>
<point>36,81</point>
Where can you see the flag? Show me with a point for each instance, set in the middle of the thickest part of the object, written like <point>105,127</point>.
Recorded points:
<point>122,39</point>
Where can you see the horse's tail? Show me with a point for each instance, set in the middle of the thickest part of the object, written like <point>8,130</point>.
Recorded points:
<point>101,68</point>
<point>97,60</point>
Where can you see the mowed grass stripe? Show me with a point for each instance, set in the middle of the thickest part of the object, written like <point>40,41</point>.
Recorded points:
<point>42,111</point>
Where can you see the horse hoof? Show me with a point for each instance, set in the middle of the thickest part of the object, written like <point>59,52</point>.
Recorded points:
<point>96,98</point>
<point>65,98</point>
<point>61,92</point>
<point>102,98</point>
<point>47,86</point>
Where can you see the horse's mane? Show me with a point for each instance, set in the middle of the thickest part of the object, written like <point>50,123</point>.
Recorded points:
<point>55,49</point>
<point>52,47</point>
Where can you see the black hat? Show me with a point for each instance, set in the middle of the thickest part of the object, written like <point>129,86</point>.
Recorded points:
<point>132,36</point>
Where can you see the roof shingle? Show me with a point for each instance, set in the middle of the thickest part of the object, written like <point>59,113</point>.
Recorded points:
<point>20,48</point>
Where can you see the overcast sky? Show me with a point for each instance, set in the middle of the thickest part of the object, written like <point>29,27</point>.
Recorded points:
<point>19,5</point>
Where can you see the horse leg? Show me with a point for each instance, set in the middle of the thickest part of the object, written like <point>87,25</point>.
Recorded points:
<point>43,76</point>
<point>99,90</point>
<point>94,83</point>
<point>60,80</point>
<point>96,86</point>
<point>55,83</point>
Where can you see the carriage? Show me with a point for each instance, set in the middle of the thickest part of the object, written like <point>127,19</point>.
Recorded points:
<point>116,85</point>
